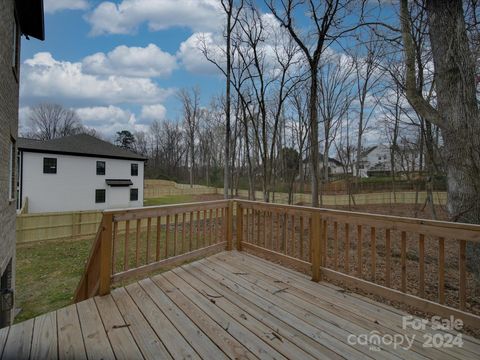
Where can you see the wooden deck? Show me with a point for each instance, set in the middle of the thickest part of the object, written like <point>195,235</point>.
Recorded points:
<point>230,305</point>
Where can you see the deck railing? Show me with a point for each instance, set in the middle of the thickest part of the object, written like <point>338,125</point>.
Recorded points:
<point>135,242</point>
<point>420,263</point>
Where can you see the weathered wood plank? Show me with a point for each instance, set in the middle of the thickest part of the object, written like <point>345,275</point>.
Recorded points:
<point>146,339</point>
<point>121,339</point>
<point>93,332</point>
<point>44,340</point>
<point>168,334</point>
<point>197,333</point>
<point>19,341</point>
<point>225,341</point>
<point>70,341</point>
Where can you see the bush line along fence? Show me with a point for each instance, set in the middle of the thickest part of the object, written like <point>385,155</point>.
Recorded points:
<point>84,224</point>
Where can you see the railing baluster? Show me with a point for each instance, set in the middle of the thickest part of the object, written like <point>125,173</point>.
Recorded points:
<point>252,227</point>
<point>278,242</point>
<point>204,242</point>
<point>159,238</point>
<point>184,230</point>
<point>272,229</point>
<point>324,243</point>
<point>147,253</point>
<point>293,235</point>
<point>463,276</point>
<point>421,266</point>
<point>301,237</point>
<point>258,228</point>
<point>137,242</point>
<point>404,261</point>
<point>373,244</point>
<point>190,236</point>
<point>167,236</point>
<point>335,239</point>
<point>197,223</point>
<point>359,250</point>
<point>126,245</point>
<point>114,247</point>
<point>309,237</point>
<point>387,257</point>
<point>441,270</point>
<point>239,227</point>
<point>210,227</point>
<point>347,248</point>
<point>224,224</point>
<point>217,227</point>
<point>175,235</point>
<point>284,232</point>
<point>264,228</point>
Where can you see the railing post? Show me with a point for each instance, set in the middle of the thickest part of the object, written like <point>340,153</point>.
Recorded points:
<point>106,255</point>
<point>239,226</point>
<point>229,225</point>
<point>317,245</point>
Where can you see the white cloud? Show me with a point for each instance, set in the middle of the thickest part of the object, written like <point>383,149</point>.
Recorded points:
<point>153,112</point>
<point>128,15</point>
<point>107,120</point>
<point>149,61</point>
<point>52,6</point>
<point>191,57</point>
<point>44,78</point>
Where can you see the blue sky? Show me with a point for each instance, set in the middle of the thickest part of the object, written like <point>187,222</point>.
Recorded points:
<point>120,64</point>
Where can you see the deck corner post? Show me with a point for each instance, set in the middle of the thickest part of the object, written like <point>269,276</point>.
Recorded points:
<point>230,225</point>
<point>106,255</point>
<point>316,246</point>
<point>239,230</point>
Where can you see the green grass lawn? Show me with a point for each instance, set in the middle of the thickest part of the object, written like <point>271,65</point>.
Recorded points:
<point>47,275</point>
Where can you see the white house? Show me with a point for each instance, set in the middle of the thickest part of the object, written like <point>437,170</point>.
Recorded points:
<point>78,172</point>
<point>377,159</point>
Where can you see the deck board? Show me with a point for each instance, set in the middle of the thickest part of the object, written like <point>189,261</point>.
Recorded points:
<point>228,306</point>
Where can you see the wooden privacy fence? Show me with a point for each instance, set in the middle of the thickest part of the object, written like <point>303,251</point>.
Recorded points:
<point>162,236</point>
<point>57,226</point>
<point>420,263</point>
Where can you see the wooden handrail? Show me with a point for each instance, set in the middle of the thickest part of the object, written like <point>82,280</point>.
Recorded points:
<point>123,245</point>
<point>362,250</point>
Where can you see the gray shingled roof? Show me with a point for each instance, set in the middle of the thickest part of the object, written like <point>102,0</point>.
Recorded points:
<point>81,145</point>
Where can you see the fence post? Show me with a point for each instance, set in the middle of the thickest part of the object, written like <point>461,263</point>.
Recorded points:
<point>239,226</point>
<point>317,245</point>
<point>106,255</point>
<point>229,225</point>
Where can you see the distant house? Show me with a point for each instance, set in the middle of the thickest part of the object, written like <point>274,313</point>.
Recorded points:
<point>16,18</point>
<point>78,172</point>
<point>334,166</point>
<point>377,160</point>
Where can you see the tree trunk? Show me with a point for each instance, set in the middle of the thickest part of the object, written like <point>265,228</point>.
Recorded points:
<point>314,148</point>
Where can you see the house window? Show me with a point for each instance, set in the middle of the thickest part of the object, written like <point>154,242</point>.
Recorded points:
<point>11,170</point>
<point>49,165</point>
<point>99,196</point>
<point>134,170</point>
<point>133,194</point>
<point>100,167</point>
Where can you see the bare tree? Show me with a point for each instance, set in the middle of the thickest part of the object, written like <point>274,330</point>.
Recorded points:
<point>52,121</point>
<point>324,15</point>
<point>232,10</point>
<point>191,112</point>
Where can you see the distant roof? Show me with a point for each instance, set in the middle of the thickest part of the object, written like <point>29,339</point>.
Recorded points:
<point>79,145</point>
<point>30,16</point>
